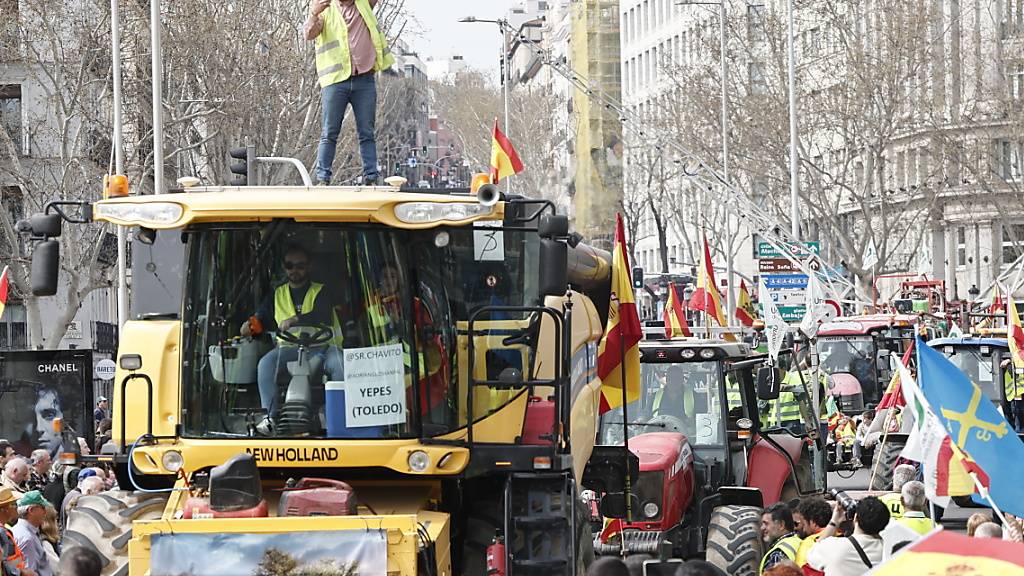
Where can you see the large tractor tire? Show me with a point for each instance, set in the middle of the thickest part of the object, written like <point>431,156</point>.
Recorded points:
<point>104,523</point>
<point>734,540</point>
<point>884,464</point>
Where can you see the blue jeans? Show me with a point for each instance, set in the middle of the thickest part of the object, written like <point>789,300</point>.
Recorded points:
<point>361,93</point>
<point>277,360</point>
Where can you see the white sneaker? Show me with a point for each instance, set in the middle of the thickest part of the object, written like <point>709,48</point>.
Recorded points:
<point>266,427</point>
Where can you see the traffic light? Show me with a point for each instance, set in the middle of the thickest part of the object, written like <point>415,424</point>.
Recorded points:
<point>242,163</point>
<point>638,277</point>
<point>424,151</point>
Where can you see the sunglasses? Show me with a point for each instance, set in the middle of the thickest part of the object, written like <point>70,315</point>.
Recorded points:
<point>299,265</point>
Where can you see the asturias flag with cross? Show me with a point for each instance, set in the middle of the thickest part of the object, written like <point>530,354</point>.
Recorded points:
<point>975,426</point>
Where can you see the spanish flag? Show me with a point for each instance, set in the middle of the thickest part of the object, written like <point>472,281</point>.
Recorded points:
<point>505,161</point>
<point>618,355</point>
<point>5,287</point>
<point>1014,334</point>
<point>675,315</point>
<point>745,311</point>
<point>707,297</point>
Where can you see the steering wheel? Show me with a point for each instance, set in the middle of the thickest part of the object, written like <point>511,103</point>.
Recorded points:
<point>667,423</point>
<point>293,335</point>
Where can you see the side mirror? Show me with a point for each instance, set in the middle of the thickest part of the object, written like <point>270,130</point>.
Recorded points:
<point>45,266</point>
<point>882,363</point>
<point>553,226</point>
<point>769,381</point>
<point>48,225</point>
<point>613,505</point>
<point>554,267</point>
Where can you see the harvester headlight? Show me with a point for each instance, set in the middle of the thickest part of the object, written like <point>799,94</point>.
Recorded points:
<point>688,353</point>
<point>150,214</point>
<point>419,461</point>
<point>651,510</point>
<point>707,353</point>
<point>172,461</point>
<point>429,212</point>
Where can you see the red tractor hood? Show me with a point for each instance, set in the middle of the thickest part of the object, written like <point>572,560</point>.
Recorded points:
<point>659,450</point>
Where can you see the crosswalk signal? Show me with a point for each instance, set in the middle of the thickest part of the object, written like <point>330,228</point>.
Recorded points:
<point>242,163</point>
<point>638,277</point>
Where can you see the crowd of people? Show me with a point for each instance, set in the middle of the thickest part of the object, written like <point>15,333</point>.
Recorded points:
<point>37,496</point>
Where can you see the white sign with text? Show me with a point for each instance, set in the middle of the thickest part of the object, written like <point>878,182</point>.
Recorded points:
<point>375,386</point>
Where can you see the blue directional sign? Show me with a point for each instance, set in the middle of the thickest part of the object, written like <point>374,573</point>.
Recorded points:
<point>778,281</point>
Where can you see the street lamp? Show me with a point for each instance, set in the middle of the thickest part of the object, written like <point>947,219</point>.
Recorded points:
<point>725,122</point>
<point>506,72</point>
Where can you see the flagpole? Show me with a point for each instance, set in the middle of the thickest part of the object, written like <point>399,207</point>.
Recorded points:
<point>983,491</point>
<point>627,488</point>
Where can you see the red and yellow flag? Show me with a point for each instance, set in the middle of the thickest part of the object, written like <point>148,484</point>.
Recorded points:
<point>946,552</point>
<point>745,311</point>
<point>893,395</point>
<point>1014,334</point>
<point>707,297</point>
<point>618,355</point>
<point>675,315</point>
<point>505,161</point>
<point>5,286</point>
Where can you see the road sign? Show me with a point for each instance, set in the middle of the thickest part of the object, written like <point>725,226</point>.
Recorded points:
<point>792,313</point>
<point>411,162</point>
<point>766,250</point>
<point>779,281</point>
<point>788,297</point>
<point>776,266</point>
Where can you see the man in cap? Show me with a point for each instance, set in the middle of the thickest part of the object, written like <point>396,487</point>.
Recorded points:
<point>101,409</point>
<point>12,561</point>
<point>31,512</point>
<point>71,498</point>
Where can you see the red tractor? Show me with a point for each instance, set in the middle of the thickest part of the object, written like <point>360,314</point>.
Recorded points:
<point>705,463</point>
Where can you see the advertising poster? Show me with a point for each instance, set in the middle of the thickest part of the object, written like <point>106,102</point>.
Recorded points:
<point>327,553</point>
<point>38,386</point>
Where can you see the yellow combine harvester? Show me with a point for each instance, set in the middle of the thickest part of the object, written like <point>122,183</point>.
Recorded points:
<point>428,408</point>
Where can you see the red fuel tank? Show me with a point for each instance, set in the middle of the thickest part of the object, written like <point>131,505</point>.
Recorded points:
<point>318,497</point>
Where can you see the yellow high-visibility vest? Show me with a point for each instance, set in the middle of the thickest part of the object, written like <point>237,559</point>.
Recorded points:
<point>284,309</point>
<point>333,57</point>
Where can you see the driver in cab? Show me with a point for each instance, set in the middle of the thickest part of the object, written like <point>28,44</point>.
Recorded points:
<point>297,302</point>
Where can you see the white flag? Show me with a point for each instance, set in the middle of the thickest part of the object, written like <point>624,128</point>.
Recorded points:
<point>774,326</point>
<point>924,256</point>
<point>955,332</point>
<point>870,256</point>
<point>926,436</point>
<point>816,309</point>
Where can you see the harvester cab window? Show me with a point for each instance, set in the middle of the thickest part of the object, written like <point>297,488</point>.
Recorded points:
<point>853,360</point>
<point>299,330</point>
<point>982,368</point>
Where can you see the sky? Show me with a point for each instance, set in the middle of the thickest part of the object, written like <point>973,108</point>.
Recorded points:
<point>439,34</point>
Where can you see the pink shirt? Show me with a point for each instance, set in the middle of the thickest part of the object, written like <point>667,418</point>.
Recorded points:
<point>360,43</point>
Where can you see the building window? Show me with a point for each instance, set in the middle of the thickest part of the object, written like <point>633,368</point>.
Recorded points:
<point>1015,79</point>
<point>10,111</point>
<point>756,76</point>
<point>1009,160</point>
<point>1013,242</point>
<point>755,23</point>
<point>961,246</point>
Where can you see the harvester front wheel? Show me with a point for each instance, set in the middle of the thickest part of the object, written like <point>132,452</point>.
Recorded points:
<point>103,522</point>
<point>734,539</point>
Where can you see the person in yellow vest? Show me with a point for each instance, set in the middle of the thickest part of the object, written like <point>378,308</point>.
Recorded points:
<point>914,501</point>
<point>901,475</point>
<point>845,435</point>
<point>784,412</point>
<point>297,302</point>
<point>811,517</point>
<point>1013,405</point>
<point>350,50</point>
<point>779,534</point>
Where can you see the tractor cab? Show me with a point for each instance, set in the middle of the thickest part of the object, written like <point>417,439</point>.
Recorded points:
<point>980,359</point>
<point>703,452</point>
<point>855,353</point>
